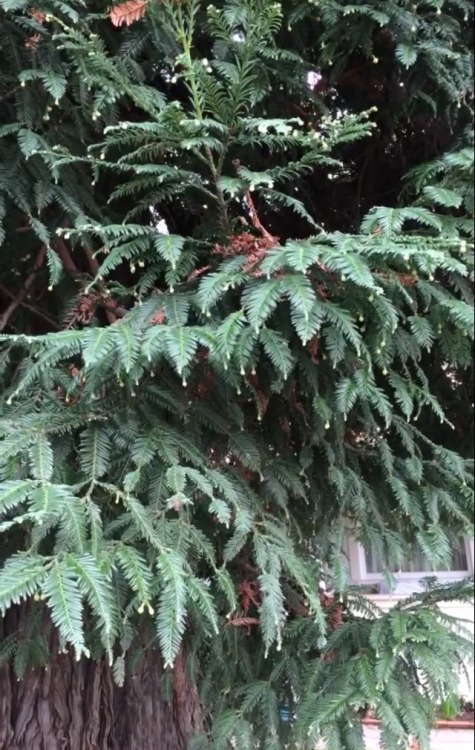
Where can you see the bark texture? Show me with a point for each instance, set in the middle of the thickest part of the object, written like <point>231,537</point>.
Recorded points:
<point>76,706</point>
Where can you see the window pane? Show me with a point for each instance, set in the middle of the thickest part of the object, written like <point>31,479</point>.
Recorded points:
<point>417,562</point>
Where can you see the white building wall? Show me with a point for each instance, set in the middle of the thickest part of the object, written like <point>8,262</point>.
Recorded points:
<point>444,739</point>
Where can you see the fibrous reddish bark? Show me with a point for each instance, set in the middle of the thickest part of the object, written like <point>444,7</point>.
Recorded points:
<point>77,706</point>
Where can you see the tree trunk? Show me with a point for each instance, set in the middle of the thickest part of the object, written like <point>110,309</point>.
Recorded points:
<point>74,705</point>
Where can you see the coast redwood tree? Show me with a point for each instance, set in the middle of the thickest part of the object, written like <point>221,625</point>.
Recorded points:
<point>236,270</point>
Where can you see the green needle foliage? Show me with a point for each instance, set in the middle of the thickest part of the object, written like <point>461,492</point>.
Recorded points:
<point>209,377</point>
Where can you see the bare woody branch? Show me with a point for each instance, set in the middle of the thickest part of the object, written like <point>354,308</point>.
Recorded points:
<point>18,299</point>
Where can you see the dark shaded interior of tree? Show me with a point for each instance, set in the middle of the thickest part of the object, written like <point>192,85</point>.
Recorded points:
<point>236,329</point>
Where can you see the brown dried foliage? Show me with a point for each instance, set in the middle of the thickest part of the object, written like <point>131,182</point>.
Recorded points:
<point>33,41</point>
<point>255,248</point>
<point>158,319</point>
<point>84,310</point>
<point>128,13</point>
<point>249,594</point>
<point>198,272</point>
<point>313,349</point>
<point>244,622</point>
<point>38,15</point>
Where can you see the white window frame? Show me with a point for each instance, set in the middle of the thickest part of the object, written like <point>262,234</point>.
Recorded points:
<point>360,576</point>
